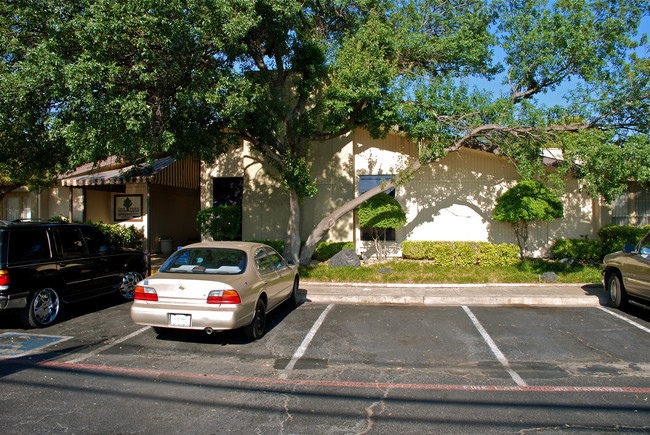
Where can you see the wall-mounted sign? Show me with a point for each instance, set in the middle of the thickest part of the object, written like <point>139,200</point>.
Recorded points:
<point>127,207</point>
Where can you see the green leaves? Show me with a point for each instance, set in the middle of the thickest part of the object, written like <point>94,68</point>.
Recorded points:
<point>381,211</point>
<point>528,201</point>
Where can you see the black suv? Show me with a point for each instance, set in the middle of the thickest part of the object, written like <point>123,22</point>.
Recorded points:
<point>46,263</point>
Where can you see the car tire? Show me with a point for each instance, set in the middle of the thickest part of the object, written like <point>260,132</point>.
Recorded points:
<point>255,330</point>
<point>127,286</point>
<point>293,297</point>
<point>42,310</point>
<point>616,293</point>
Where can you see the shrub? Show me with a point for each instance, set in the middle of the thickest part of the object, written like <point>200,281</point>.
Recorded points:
<point>221,222</point>
<point>580,249</point>
<point>461,253</point>
<point>326,250</point>
<point>120,235</point>
<point>613,237</point>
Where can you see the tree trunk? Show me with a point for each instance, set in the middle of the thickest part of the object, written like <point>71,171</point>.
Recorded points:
<point>292,238</point>
<point>328,222</point>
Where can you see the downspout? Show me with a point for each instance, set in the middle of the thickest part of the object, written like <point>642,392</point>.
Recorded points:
<point>71,203</point>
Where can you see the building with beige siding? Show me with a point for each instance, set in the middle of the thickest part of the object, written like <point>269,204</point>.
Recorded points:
<point>450,200</point>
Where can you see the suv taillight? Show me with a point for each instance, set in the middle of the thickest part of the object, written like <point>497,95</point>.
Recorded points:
<point>4,280</point>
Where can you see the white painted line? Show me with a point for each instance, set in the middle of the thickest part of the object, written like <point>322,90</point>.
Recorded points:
<point>305,342</point>
<point>83,356</point>
<point>631,322</point>
<point>495,350</point>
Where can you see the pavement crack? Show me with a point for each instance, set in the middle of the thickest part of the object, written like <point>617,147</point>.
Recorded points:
<point>370,412</point>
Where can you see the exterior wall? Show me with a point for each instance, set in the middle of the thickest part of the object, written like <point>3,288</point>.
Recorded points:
<point>265,204</point>
<point>450,200</point>
<point>173,212</point>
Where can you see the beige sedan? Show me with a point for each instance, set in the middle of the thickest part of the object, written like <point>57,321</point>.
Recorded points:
<point>216,286</point>
<point>626,274</point>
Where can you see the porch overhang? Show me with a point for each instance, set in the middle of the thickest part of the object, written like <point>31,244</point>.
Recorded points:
<point>167,171</point>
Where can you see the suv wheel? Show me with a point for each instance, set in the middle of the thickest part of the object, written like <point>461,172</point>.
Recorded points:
<point>42,310</point>
<point>127,287</point>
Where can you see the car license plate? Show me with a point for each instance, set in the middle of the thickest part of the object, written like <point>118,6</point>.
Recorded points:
<point>180,320</point>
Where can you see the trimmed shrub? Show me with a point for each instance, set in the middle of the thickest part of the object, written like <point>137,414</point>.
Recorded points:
<point>503,254</point>
<point>326,250</point>
<point>613,237</point>
<point>461,253</point>
<point>580,249</point>
<point>120,235</point>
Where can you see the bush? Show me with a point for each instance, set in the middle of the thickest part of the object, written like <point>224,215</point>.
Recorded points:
<point>120,235</point>
<point>461,253</point>
<point>613,237</point>
<point>326,250</point>
<point>221,222</point>
<point>580,249</point>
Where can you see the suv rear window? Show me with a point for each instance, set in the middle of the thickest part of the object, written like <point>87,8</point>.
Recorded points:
<point>29,245</point>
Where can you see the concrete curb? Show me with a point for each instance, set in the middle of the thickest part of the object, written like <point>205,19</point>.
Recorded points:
<point>574,295</point>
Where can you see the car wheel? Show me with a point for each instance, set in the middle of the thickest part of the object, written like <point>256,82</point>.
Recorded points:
<point>293,298</point>
<point>257,327</point>
<point>127,287</point>
<point>42,310</point>
<point>615,290</point>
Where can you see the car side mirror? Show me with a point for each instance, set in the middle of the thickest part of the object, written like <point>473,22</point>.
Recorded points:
<point>629,248</point>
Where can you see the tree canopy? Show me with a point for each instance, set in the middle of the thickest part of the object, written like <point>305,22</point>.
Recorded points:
<point>528,201</point>
<point>82,80</point>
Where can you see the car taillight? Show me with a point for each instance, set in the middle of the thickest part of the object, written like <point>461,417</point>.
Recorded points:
<point>145,293</point>
<point>223,297</point>
<point>4,280</point>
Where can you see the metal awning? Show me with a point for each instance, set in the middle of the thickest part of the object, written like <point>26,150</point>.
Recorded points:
<point>166,171</point>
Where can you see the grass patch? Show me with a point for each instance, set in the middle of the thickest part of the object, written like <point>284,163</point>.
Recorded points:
<point>415,272</point>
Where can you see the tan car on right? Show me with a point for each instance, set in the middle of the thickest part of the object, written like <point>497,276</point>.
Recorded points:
<point>626,274</point>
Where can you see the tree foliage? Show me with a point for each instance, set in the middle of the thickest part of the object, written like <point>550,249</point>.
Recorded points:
<point>85,79</point>
<point>528,201</point>
<point>378,214</point>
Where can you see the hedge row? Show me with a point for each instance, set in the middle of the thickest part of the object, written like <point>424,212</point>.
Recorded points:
<point>461,253</point>
<point>612,239</point>
<point>121,235</point>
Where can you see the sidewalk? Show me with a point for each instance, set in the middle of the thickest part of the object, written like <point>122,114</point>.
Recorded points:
<point>573,295</point>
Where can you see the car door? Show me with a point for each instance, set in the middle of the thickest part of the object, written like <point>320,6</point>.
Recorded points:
<point>268,276</point>
<point>107,266</point>
<point>638,269</point>
<point>73,263</point>
<point>284,282</point>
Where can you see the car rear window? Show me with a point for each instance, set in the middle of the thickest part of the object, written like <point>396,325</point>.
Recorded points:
<point>29,245</point>
<point>217,261</point>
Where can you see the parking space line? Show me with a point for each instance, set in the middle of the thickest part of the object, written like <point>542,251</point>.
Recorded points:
<point>495,350</point>
<point>305,342</point>
<point>83,356</point>
<point>631,322</point>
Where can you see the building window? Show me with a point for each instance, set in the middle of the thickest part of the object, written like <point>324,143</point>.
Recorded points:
<point>17,207</point>
<point>367,182</point>
<point>632,208</point>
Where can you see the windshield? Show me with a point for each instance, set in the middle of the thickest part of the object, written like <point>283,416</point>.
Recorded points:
<point>218,261</point>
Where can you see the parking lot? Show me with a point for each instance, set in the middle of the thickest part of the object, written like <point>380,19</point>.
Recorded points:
<point>334,368</point>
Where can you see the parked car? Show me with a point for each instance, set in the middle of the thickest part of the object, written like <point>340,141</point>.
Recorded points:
<point>44,264</point>
<point>215,286</point>
<point>626,274</point>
